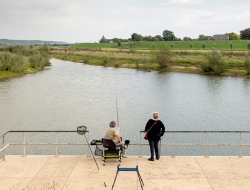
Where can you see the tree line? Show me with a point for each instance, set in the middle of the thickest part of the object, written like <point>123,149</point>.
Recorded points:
<point>168,35</point>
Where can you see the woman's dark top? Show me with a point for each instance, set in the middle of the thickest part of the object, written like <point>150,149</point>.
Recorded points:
<point>156,131</point>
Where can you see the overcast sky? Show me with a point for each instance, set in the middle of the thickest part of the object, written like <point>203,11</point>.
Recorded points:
<point>87,21</point>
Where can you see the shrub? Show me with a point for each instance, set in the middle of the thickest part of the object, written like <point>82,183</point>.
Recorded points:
<point>5,61</point>
<point>105,60</point>
<point>204,45</point>
<point>119,43</point>
<point>21,50</point>
<point>215,62</point>
<point>231,46</point>
<point>162,56</point>
<point>247,64</point>
<point>137,63</point>
<point>191,45</point>
<point>38,61</point>
<point>172,45</point>
<point>248,45</point>
<point>116,62</point>
<point>18,64</point>
<point>153,45</point>
<point>86,59</point>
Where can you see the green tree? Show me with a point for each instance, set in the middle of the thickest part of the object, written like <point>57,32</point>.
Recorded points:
<point>233,36</point>
<point>136,37</point>
<point>158,37</point>
<point>162,56</point>
<point>247,64</point>
<point>215,62</point>
<point>147,38</point>
<point>203,37</point>
<point>187,38</point>
<point>168,35</point>
<point>119,43</point>
<point>245,34</point>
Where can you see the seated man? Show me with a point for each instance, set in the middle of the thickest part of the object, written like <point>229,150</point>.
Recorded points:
<point>112,134</point>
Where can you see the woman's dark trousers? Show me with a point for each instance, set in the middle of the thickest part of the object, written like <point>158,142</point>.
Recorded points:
<point>154,148</point>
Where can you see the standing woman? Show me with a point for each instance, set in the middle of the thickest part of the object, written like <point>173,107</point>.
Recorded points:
<point>156,130</point>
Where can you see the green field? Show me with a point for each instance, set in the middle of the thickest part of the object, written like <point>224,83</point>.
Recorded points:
<point>237,45</point>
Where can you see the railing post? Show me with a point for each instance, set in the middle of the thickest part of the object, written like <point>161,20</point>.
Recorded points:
<point>88,154</point>
<point>24,151</point>
<point>240,146</point>
<point>3,152</point>
<point>56,146</point>
<point>206,156</point>
<point>140,145</point>
<point>173,147</point>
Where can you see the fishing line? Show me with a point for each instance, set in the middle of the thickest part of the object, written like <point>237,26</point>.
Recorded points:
<point>117,115</point>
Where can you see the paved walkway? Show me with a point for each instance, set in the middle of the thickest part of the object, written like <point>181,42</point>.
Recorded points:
<point>80,173</point>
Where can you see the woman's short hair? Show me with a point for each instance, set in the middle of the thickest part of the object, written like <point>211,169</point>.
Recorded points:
<point>112,124</point>
<point>155,115</point>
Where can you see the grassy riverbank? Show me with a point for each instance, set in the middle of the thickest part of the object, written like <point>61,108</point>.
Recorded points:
<point>19,60</point>
<point>185,56</point>
<point>139,55</point>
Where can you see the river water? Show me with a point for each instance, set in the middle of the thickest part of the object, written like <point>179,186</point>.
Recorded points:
<point>67,95</point>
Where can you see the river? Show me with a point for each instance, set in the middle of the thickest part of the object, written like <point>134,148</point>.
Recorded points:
<point>67,95</point>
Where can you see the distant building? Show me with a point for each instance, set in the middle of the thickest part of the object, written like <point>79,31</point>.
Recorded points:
<point>219,37</point>
<point>104,40</point>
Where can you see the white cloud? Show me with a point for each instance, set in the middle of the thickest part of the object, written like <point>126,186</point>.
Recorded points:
<point>182,2</point>
<point>81,21</point>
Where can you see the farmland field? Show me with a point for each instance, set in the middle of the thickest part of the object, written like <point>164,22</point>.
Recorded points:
<point>237,45</point>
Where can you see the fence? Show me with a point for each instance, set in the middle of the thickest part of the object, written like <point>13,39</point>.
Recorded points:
<point>172,139</point>
<point>25,144</point>
<point>206,140</point>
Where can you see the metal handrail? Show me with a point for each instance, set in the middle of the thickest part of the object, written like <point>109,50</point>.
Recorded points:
<point>206,144</point>
<point>172,144</point>
<point>56,144</point>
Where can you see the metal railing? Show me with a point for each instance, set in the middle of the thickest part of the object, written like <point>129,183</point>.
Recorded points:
<point>206,144</point>
<point>172,138</point>
<point>24,143</point>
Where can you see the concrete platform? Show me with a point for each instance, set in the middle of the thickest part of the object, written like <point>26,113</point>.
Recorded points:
<point>80,173</point>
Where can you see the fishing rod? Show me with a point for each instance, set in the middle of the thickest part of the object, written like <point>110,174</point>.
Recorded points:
<point>117,115</point>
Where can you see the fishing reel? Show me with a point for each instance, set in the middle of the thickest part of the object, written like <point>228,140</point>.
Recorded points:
<point>126,143</point>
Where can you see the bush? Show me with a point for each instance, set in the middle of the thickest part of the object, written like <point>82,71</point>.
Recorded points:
<point>5,61</point>
<point>18,64</point>
<point>162,56</point>
<point>105,60</point>
<point>191,45</point>
<point>215,62</point>
<point>248,45</point>
<point>137,63</point>
<point>247,64</point>
<point>38,61</point>
<point>119,43</point>
<point>231,46</point>
<point>204,45</point>
<point>21,50</point>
